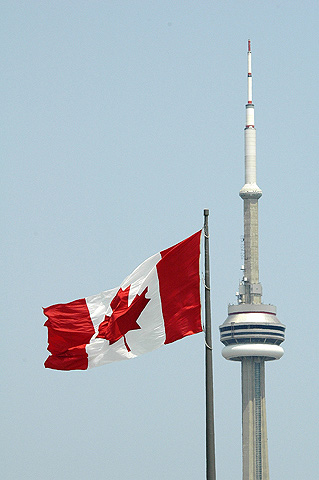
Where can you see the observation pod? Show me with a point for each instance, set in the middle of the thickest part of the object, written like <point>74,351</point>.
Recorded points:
<point>252,331</point>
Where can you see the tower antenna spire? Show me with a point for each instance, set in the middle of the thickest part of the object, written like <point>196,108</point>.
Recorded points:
<point>250,290</point>
<point>252,334</point>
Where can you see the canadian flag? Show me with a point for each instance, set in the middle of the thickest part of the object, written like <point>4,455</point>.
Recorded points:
<point>157,304</point>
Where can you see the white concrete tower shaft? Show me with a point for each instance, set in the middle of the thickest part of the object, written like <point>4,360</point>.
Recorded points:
<point>252,334</point>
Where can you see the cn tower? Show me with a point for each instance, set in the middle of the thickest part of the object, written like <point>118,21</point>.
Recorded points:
<point>252,334</point>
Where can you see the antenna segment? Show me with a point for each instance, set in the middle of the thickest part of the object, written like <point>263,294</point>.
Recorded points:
<point>250,290</point>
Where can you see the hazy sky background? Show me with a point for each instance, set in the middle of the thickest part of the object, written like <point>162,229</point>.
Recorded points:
<point>121,122</point>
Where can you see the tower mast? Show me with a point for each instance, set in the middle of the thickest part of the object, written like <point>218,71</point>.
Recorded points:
<point>250,291</point>
<point>252,334</point>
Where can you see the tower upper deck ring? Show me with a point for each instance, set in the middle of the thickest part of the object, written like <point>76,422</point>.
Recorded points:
<point>255,328</point>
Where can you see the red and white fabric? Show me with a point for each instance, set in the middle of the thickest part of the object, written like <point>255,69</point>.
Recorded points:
<point>157,304</point>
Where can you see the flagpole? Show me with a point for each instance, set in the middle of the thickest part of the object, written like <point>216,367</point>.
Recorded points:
<point>210,429</point>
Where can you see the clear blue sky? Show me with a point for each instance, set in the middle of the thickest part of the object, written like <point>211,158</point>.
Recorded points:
<point>121,122</point>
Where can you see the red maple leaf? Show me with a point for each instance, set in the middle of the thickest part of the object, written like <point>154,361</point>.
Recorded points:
<point>124,316</point>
